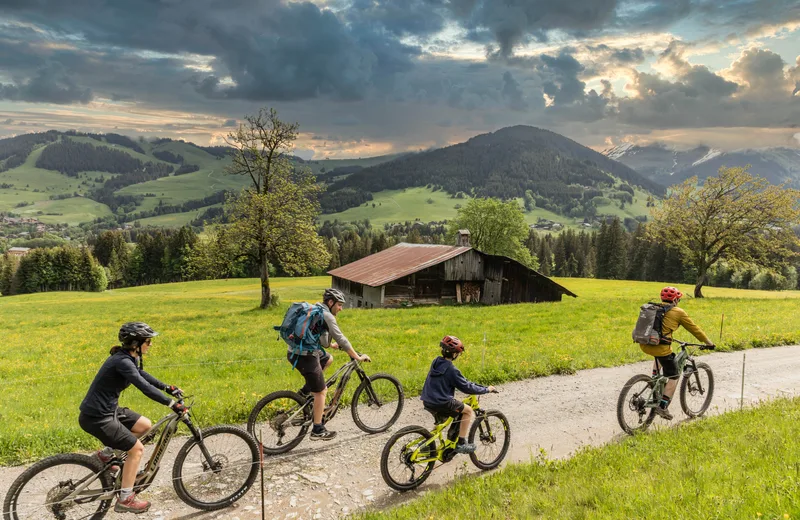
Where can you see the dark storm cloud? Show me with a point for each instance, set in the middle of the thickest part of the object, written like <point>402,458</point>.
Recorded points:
<point>230,123</point>
<point>272,50</point>
<point>49,84</point>
<point>512,93</point>
<point>623,56</point>
<point>409,17</point>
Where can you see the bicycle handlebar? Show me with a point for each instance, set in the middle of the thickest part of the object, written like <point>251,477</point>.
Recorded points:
<point>684,344</point>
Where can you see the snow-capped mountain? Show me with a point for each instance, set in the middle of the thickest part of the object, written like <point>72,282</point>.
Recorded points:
<point>669,166</point>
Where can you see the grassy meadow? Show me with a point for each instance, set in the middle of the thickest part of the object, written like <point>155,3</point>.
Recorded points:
<point>738,465</point>
<point>218,346</point>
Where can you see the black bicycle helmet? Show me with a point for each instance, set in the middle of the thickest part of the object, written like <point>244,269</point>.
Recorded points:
<point>333,294</point>
<point>134,330</point>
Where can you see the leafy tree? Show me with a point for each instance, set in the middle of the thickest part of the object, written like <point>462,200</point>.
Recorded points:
<point>734,216</point>
<point>7,267</point>
<point>530,202</point>
<point>273,219</point>
<point>496,228</point>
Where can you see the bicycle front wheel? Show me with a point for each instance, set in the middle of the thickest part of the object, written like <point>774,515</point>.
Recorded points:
<point>279,421</point>
<point>68,486</point>
<point>220,476</point>
<point>696,391</point>
<point>405,461</point>
<point>377,403</point>
<point>632,414</point>
<point>491,434</point>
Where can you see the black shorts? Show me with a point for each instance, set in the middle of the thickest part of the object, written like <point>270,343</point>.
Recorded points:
<point>311,369</point>
<point>454,408</point>
<point>112,431</point>
<point>668,366</point>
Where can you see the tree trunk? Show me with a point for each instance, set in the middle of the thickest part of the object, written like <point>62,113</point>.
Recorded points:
<point>264,271</point>
<point>701,281</point>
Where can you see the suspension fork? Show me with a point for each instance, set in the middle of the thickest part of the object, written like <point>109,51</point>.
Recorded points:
<point>198,437</point>
<point>370,391</point>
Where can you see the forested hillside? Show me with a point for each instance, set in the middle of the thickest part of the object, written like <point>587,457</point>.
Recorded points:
<point>504,164</point>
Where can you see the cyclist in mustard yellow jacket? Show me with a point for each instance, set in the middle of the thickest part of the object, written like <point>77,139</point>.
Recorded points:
<point>674,317</point>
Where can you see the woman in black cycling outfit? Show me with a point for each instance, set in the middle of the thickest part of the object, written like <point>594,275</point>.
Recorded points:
<point>120,428</point>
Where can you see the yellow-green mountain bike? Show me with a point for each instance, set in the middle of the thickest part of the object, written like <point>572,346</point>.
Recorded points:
<point>410,455</point>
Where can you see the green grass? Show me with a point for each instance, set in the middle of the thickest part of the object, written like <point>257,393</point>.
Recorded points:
<point>53,344</point>
<point>72,211</point>
<point>28,177</point>
<point>401,205</point>
<point>741,465</point>
<point>175,219</point>
<point>393,206</point>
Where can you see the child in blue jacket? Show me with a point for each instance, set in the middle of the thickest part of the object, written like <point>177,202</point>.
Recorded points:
<point>438,393</point>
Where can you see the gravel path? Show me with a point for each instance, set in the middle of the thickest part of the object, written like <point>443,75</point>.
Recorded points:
<point>558,414</point>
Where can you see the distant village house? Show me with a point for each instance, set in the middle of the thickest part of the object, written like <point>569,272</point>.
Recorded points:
<point>19,251</point>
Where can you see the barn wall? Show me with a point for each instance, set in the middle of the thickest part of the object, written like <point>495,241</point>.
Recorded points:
<point>466,267</point>
<point>493,284</point>
<point>356,294</point>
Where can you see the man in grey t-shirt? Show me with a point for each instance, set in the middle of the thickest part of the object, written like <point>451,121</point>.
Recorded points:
<point>312,365</point>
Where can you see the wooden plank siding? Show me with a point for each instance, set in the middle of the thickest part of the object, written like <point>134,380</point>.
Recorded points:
<point>466,267</point>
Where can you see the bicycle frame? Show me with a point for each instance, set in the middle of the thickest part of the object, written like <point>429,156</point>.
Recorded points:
<point>659,381</point>
<point>438,433</point>
<point>342,375</point>
<point>167,426</point>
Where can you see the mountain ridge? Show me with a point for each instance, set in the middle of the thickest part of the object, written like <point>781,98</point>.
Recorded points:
<point>666,165</point>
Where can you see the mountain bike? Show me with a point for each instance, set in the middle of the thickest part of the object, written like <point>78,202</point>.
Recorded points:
<point>212,470</point>
<point>408,458</point>
<point>642,393</point>
<point>280,420</point>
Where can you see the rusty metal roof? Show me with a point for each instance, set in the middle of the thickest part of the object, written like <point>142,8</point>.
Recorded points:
<point>396,262</point>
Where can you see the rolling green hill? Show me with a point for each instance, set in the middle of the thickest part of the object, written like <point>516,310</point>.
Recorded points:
<point>133,178</point>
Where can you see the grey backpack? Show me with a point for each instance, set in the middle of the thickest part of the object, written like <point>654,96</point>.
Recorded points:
<point>649,325</point>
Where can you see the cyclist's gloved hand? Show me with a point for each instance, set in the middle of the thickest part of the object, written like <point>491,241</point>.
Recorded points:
<point>493,390</point>
<point>173,390</point>
<point>178,408</point>
<point>364,358</point>
<point>710,346</point>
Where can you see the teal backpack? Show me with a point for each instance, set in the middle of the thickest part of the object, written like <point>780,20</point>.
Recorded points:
<point>302,326</point>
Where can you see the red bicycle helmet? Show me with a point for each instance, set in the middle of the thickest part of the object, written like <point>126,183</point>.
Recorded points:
<point>451,345</point>
<point>670,294</point>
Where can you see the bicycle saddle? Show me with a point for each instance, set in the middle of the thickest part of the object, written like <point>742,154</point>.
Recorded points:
<point>438,417</point>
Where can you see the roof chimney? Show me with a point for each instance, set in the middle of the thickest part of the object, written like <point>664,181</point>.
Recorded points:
<point>462,238</point>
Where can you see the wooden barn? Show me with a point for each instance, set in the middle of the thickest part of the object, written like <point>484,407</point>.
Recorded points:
<point>438,274</point>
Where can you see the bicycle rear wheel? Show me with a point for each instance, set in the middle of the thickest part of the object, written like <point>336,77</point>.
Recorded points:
<point>377,403</point>
<point>697,389</point>
<point>233,469</point>
<point>398,468</point>
<point>493,438</point>
<point>43,490</point>
<point>279,421</point>
<point>632,414</point>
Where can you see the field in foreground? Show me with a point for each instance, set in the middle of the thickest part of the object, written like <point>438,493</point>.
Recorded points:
<point>216,345</point>
<point>738,465</point>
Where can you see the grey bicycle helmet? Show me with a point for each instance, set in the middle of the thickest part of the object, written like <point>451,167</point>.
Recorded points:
<point>333,294</point>
<point>134,330</point>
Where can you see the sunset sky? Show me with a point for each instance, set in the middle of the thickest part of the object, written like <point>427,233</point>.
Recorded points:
<point>369,77</point>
